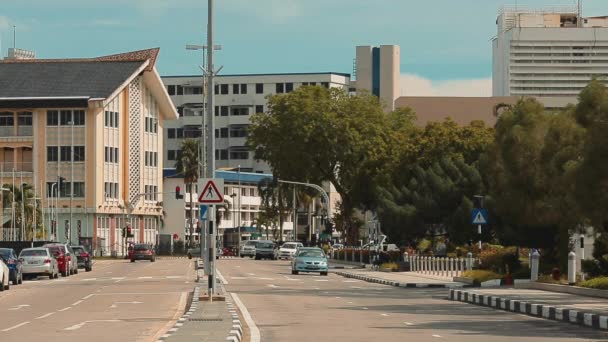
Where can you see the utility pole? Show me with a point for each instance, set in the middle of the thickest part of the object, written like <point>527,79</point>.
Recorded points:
<point>239,210</point>
<point>71,176</point>
<point>295,216</point>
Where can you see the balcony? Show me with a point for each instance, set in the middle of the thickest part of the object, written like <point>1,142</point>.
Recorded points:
<point>16,133</point>
<point>19,169</point>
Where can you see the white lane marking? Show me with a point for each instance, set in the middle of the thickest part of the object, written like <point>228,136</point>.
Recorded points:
<point>266,278</point>
<point>238,278</point>
<point>118,278</point>
<point>221,277</point>
<point>250,274</point>
<point>76,303</point>
<point>350,281</point>
<point>65,309</point>
<point>16,326</point>
<point>321,280</point>
<point>254,332</point>
<point>364,308</point>
<point>80,325</point>
<point>88,296</point>
<point>144,277</point>
<point>88,279</point>
<point>173,277</point>
<point>337,297</point>
<point>385,315</point>
<point>350,302</point>
<point>408,323</point>
<point>272,285</point>
<point>115,305</point>
<point>436,336</point>
<point>45,316</point>
<point>355,287</point>
<point>19,307</point>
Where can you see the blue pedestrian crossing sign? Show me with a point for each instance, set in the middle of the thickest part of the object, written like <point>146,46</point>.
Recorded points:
<point>479,216</point>
<point>203,212</point>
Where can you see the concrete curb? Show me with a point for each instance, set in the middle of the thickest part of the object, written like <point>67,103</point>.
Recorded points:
<point>180,322</point>
<point>236,333</point>
<point>397,284</point>
<point>537,310</point>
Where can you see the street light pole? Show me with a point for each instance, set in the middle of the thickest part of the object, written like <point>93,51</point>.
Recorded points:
<point>239,210</point>
<point>71,176</point>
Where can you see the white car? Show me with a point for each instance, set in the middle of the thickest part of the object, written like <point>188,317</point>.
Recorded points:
<point>4,276</point>
<point>288,249</point>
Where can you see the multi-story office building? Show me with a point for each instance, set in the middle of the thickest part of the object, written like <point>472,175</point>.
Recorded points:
<point>237,97</point>
<point>378,72</point>
<point>548,53</point>
<point>86,135</point>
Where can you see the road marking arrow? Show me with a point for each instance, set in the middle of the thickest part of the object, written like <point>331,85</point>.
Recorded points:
<point>19,307</point>
<point>115,304</point>
<point>80,325</point>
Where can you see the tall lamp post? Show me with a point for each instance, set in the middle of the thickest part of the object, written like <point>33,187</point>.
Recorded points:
<point>238,173</point>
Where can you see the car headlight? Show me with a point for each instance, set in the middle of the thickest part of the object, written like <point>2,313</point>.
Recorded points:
<point>323,263</point>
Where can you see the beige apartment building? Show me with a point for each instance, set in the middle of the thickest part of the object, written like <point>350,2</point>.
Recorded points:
<point>377,70</point>
<point>96,124</point>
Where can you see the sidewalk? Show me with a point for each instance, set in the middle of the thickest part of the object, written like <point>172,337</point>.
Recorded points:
<point>581,310</point>
<point>400,279</point>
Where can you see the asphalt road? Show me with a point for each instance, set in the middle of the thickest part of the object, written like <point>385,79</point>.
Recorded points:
<point>309,307</point>
<point>117,301</point>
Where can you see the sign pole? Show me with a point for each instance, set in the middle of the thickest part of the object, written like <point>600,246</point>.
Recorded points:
<point>211,248</point>
<point>479,231</point>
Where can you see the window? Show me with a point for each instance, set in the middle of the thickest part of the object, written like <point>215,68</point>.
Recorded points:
<point>217,154</point>
<point>155,158</point>
<point>65,190</point>
<point>79,118</point>
<point>116,154</point>
<point>107,118</point>
<point>240,132</point>
<point>171,90</point>
<point>65,118</point>
<point>179,133</point>
<point>288,87</point>
<point>280,88</point>
<point>7,119</point>
<point>24,118</point>
<point>217,133</point>
<point>240,111</point>
<point>239,155</point>
<point>224,132</point>
<point>325,84</point>
<point>65,153</point>
<point>252,192</point>
<point>216,89</point>
<point>52,154</point>
<point>78,189</point>
<point>180,90</point>
<point>171,154</point>
<point>224,110</point>
<point>304,84</point>
<point>52,118</point>
<point>223,155</point>
<point>147,162</point>
<point>107,155</point>
<point>259,108</point>
<point>180,111</point>
<point>235,88</point>
<point>313,83</point>
<point>243,88</point>
<point>224,89</point>
<point>78,153</point>
<point>171,133</point>
<point>116,119</point>
<point>259,88</point>
<point>217,110</point>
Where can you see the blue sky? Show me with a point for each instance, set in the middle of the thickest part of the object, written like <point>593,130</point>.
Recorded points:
<point>444,43</point>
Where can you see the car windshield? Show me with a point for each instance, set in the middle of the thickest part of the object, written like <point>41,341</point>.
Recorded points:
<point>56,250</point>
<point>265,245</point>
<point>78,249</point>
<point>5,253</point>
<point>250,243</point>
<point>141,247</point>
<point>289,245</point>
<point>314,253</point>
<point>33,252</point>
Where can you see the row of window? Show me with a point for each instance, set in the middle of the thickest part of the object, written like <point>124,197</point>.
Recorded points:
<point>237,88</point>
<point>173,154</point>
<point>110,190</point>
<point>152,191</point>
<point>151,158</point>
<point>234,111</point>
<point>64,117</point>
<point>64,153</point>
<point>111,155</point>
<point>52,190</point>
<point>111,119</point>
<point>228,190</point>
<point>239,132</point>
<point>179,133</point>
<point>151,125</point>
<point>8,119</point>
<point>223,155</point>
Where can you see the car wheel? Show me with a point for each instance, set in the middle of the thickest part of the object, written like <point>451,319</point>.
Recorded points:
<point>132,260</point>
<point>88,269</point>
<point>294,272</point>
<point>21,278</point>
<point>323,273</point>
<point>152,260</point>
<point>64,273</point>
<point>189,256</point>
<point>76,271</point>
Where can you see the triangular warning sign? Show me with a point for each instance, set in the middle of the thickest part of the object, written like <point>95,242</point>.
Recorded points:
<point>479,219</point>
<point>210,194</point>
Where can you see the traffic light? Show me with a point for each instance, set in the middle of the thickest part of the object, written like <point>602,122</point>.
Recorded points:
<point>178,193</point>
<point>61,184</point>
<point>129,231</point>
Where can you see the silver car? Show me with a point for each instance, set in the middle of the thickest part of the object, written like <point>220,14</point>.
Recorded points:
<point>248,249</point>
<point>39,261</point>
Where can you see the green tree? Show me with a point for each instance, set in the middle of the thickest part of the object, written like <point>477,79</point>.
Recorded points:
<point>24,199</point>
<point>316,134</point>
<point>187,165</point>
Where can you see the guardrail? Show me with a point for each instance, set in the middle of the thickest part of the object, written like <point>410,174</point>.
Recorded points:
<point>438,266</point>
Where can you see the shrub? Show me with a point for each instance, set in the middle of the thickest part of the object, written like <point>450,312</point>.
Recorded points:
<point>596,283</point>
<point>599,266</point>
<point>545,278</point>
<point>390,265</point>
<point>394,256</point>
<point>556,274</point>
<point>481,275</point>
<point>496,259</point>
<point>522,273</point>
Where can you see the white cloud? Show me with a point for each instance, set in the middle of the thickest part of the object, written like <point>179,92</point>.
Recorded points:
<point>414,85</point>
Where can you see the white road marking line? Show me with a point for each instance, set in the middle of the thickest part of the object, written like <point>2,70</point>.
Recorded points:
<point>350,281</point>
<point>355,287</point>
<point>173,277</point>
<point>253,329</point>
<point>364,308</point>
<point>321,280</point>
<point>88,296</point>
<point>19,307</point>
<point>144,277</point>
<point>436,336</point>
<point>16,326</point>
<point>350,302</point>
<point>250,274</point>
<point>221,277</point>
<point>272,285</point>
<point>238,278</point>
<point>266,278</point>
<point>45,316</point>
<point>88,279</point>
<point>385,315</point>
<point>118,278</point>
<point>408,323</point>
<point>65,309</point>
<point>76,303</point>
<point>115,304</point>
<point>337,297</point>
<point>80,325</point>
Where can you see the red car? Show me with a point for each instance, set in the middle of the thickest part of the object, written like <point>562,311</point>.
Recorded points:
<point>143,251</point>
<point>64,258</point>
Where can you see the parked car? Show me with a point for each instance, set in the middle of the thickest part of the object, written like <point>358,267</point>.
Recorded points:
<point>266,249</point>
<point>4,276</point>
<point>309,259</point>
<point>143,251</point>
<point>39,261</point>
<point>14,265</point>
<point>288,249</point>
<point>65,258</point>
<point>193,252</point>
<point>83,258</point>
<point>248,248</point>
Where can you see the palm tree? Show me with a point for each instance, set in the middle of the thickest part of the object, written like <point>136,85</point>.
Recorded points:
<point>24,196</point>
<point>187,165</point>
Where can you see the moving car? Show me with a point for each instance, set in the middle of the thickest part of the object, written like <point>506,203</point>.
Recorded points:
<point>248,248</point>
<point>143,251</point>
<point>83,258</point>
<point>4,276</point>
<point>39,261</point>
<point>14,264</point>
<point>66,259</point>
<point>309,259</point>
<point>288,249</point>
<point>266,249</point>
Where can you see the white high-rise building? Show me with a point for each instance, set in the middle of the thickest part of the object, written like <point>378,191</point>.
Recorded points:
<point>378,72</point>
<point>549,53</point>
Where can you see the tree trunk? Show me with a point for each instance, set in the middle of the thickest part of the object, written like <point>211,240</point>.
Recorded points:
<point>280,215</point>
<point>352,231</point>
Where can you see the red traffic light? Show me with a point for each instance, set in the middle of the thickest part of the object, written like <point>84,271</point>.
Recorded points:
<point>178,193</point>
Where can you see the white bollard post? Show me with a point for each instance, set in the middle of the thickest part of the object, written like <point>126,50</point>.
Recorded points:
<point>433,265</point>
<point>534,266</point>
<point>444,264</point>
<point>451,261</point>
<point>462,265</point>
<point>427,261</point>
<point>469,261</point>
<point>571,268</point>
